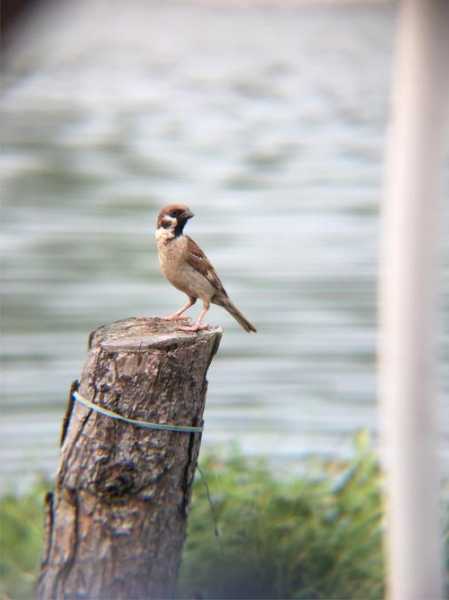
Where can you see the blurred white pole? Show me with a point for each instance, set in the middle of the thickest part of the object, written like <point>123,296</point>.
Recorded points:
<point>408,298</point>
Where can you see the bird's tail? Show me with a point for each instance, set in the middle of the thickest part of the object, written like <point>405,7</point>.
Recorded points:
<point>234,311</point>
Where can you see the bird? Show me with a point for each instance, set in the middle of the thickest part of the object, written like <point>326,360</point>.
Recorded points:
<point>188,269</point>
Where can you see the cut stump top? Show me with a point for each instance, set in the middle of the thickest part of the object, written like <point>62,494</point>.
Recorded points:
<point>140,334</point>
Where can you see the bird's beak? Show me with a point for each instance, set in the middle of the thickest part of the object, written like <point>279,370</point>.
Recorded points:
<point>188,214</point>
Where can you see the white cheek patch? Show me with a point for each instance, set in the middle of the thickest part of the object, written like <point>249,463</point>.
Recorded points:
<point>164,235</point>
<point>168,222</point>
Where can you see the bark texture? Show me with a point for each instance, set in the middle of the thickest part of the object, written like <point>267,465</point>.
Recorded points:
<point>116,524</point>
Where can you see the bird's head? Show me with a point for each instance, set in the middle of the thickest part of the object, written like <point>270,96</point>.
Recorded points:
<point>174,217</point>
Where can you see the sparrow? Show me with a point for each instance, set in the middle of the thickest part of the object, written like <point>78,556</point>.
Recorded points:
<point>186,267</point>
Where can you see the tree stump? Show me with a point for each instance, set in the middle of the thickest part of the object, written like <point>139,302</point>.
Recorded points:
<point>116,523</point>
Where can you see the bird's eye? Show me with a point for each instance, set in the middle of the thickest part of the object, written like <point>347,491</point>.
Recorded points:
<point>173,214</point>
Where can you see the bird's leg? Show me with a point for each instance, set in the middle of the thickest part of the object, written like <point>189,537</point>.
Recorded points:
<point>179,312</point>
<point>197,325</point>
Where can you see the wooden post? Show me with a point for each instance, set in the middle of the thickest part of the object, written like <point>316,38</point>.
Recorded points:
<point>408,293</point>
<point>116,524</point>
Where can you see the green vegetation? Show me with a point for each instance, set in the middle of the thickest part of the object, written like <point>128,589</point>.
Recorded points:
<point>312,536</point>
<point>315,536</point>
<point>21,524</point>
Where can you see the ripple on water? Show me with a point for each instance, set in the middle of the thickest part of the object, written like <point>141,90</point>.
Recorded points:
<point>271,125</point>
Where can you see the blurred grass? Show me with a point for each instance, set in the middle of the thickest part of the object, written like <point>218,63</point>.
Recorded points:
<point>317,535</point>
<point>21,524</point>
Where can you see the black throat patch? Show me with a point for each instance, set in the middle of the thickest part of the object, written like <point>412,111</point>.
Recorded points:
<point>179,227</point>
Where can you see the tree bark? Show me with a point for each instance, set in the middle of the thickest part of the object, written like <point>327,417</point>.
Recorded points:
<point>116,524</point>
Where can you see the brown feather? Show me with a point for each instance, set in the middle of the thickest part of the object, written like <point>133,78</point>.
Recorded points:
<point>234,311</point>
<point>166,210</point>
<point>198,260</point>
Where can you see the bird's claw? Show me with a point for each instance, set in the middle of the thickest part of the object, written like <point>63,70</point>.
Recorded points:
<point>176,318</point>
<point>193,328</point>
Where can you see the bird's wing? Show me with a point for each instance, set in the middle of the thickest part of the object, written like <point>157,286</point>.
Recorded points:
<point>199,261</point>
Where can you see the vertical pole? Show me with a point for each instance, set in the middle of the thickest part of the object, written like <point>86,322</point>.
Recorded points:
<point>408,291</point>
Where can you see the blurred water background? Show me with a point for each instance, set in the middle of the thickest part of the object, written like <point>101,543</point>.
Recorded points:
<point>270,123</point>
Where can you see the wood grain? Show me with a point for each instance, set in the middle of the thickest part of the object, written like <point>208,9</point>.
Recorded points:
<point>116,523</point>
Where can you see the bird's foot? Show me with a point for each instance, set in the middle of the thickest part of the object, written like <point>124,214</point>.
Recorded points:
<point>176,317</point>
<point>194,327</point>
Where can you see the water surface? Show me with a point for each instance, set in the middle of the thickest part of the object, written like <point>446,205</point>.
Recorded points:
<point>270,124</point>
